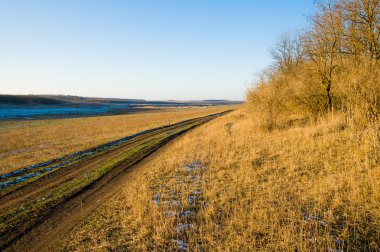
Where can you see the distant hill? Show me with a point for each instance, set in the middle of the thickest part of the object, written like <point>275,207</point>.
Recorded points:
<point>29,99</point>
<point>81,99</point>
<point>71,100</point>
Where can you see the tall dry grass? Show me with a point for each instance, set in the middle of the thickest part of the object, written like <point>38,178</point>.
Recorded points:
<point>230,186</point>
<point>23,143</point>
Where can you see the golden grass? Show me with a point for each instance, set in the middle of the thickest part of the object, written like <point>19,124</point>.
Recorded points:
<point>23,143</point>
<point>312,188</point>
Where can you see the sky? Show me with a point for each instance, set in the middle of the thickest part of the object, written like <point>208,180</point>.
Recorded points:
<point>154,50</point>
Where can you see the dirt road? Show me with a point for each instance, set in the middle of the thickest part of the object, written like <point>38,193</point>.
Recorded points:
<point>37,214</point>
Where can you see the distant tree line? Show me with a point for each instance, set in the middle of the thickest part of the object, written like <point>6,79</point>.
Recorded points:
<point>331,67</point>
<point>28,99</point>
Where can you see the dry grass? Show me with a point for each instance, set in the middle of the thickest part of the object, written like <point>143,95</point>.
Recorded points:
<point>23,143</point>
<point>312,188</point>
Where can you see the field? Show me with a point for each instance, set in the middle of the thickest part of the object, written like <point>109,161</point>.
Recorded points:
<point>31,197</point>
<point>229,185</point>
<point>26,142</point>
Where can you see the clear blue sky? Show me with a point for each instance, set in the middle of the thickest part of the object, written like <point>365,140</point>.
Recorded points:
<point>140,49</point>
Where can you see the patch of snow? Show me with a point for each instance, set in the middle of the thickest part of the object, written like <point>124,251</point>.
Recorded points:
<point>181,227</point>
<point>191,199</point>
<point>187,213</point>
<point>181,244</point>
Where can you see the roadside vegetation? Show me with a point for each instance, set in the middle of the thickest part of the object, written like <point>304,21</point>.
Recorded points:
<point>296,169</point>
<point>23,143</point>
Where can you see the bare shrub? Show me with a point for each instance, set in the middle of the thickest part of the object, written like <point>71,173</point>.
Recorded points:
<point>360,92</point>
<point>270,99</point>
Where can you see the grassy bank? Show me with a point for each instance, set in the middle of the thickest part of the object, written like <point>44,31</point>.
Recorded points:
<point>230,186</point>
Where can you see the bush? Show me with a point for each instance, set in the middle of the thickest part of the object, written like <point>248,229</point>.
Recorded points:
<point>270,100</point>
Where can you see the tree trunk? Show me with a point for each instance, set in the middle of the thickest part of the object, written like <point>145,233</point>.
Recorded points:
<point>329,95</point>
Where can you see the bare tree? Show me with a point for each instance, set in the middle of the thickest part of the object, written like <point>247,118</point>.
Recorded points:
<point>322,45</point>
<point>362,18</point>
<point>287,54</point>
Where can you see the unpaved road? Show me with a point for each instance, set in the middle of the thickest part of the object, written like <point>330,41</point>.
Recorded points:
<point>50,208</point>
